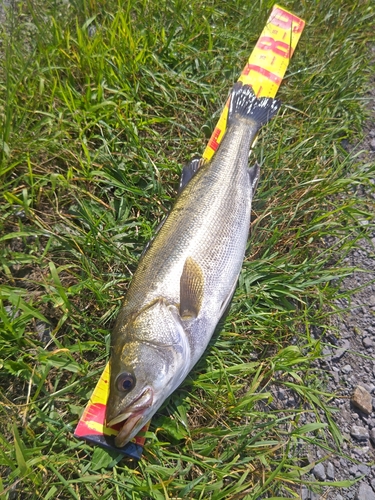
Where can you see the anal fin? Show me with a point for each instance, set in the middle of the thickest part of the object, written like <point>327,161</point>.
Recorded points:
<point>225,304</point>
<point>254,174</point>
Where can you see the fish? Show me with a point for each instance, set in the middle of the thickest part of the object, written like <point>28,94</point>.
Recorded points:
<point>188,273</point>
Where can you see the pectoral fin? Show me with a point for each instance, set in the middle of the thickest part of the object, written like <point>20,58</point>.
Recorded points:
<point>191,289</point>
<point>189,171</point>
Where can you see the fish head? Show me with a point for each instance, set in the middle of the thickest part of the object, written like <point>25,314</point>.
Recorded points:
<point>150,356</point>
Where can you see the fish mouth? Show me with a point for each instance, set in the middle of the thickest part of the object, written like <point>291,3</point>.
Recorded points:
<point>127,431</point>
<point>132,416</point>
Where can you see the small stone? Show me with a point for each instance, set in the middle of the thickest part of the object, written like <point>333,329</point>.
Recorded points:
<point>364,469</point>
<point>307,494</point>
<point>345,414</point>
<point>367,342</point>
<point>319,472</point>
<point>361,452</point>
<point>330,471</point>
<point>304,493</point>
<point>365,492</point>
<point>369,387</point>
<point>372,144</point>
<point>365,420</point>
<point>346,369</point>
<point>347,334</point>
<point>282,395</point>
<point>372,435</point>
<point>338,353</point>
<point>91,31</point>
<point>354,470</point>
<point>326,351</point>
<point>362,399</point>
<point>359,433</point>
<point>12,312</point>
<point>44,331</point>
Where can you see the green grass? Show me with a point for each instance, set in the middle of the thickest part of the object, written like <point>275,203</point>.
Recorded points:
<point>100,104</point>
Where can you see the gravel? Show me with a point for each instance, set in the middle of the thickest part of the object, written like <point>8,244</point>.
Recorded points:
<point>349,362</point>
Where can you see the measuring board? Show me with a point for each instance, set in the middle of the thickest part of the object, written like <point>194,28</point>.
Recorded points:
<point>267,64</point>
<point>264,71</point>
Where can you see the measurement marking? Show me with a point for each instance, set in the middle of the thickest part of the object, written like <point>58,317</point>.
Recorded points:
<point>284,19</point>
<point>213,143</point>
<point>262,71</point>
<point>277,46</point>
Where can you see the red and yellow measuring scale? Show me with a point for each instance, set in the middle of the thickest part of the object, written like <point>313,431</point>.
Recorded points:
<point>264,71</point>
<point>267,64</point>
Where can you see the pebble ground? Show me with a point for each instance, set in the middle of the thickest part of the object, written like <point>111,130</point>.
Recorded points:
<point>349,362</point>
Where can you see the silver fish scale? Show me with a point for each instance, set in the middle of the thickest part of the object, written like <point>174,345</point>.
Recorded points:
<point>210,223</point>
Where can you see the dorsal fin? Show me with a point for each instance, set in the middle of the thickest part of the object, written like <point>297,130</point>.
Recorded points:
<point>188,172</point>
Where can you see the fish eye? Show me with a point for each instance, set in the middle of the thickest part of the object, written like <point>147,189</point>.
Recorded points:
<point>125,382</point>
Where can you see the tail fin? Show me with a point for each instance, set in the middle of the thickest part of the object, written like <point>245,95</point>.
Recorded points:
<point>244,102</point>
